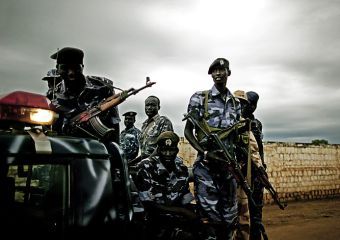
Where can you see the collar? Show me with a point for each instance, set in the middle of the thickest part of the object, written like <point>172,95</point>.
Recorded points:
<point>153,119</point>
<point>215,92</point>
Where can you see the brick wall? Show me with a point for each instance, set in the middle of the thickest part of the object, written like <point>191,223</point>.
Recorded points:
<point>296,170</point>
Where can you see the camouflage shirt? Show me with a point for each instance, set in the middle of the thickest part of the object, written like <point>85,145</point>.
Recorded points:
<point>156,183</point>
<point>129,142</point>
<point>151,129</point>
<point>69,105</point>
<point>221,112</point>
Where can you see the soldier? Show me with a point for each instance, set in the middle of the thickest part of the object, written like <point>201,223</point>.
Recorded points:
<point>256,225</point>
<point>256,125</point>
<point>215,186</point>
<point>249,144</point>
<point>153,126</point>
<point>163,183</point>
<point>77,92</point>
<point>129,137</point>
<point>53,80</point>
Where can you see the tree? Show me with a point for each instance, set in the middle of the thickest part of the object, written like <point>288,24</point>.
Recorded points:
<point>319,141</point>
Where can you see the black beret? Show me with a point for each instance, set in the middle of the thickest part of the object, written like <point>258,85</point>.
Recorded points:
<point>131,114</point>
<point>253,97</point>
<point>219,63</point>
<point>168,139</point>
<point>68,55</point>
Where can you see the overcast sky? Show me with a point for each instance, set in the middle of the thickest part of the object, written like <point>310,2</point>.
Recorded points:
<point>287,51</point>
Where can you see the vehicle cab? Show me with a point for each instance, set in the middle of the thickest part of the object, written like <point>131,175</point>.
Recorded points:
<point>55,186</point>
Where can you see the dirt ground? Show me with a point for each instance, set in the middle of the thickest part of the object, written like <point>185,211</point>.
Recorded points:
<point>312,220</point>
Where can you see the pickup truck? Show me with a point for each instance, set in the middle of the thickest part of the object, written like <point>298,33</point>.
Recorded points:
<point>57,187</point>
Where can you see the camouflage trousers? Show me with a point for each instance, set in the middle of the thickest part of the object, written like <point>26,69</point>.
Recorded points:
<point>216,197</point>
<point>257,230</point>
<point>243,229</point>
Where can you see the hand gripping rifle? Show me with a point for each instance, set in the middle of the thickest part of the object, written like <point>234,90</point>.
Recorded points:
<point>231,162</point>
<point>106,104</point>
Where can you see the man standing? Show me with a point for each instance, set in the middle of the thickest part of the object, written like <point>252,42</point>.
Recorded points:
<point>248,156</point>
<point>256,125</point>
<point>215,186</point>
<point>129,137</point>
<point>256,225</point>
<point>153,126</point>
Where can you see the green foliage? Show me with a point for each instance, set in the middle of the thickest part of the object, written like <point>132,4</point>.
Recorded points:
<point>319,141</point>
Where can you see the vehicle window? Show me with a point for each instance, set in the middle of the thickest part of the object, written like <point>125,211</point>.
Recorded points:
<point>36,196</point>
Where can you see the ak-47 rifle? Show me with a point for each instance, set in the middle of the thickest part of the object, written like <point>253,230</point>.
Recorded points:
<point>231,162</point>
<point>106,104</point>
<point>262,176</point>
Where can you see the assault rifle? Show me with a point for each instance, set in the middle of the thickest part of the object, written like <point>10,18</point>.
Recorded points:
<point>262,176</point>
<point>106,104</point>
<point>233,166</point>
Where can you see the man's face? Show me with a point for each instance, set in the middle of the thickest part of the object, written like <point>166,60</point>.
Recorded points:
<point>129,121</point>
<point>249,109</point>
<point>70,72</point>
<point>220,75</point>
<point>168,154</point>
<point>151,107</point>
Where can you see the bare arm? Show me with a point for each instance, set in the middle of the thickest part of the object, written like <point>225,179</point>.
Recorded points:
<point>189,135</point>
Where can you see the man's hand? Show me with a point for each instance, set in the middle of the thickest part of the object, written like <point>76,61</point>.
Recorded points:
<point>215,155</point>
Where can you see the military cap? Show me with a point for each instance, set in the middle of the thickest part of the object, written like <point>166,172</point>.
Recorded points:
<point>68,55</point>
<point>51,74</point>
<point>253,97</point>
<point>130,114</point>
<point>219,63</point>
<point>240,94</point>
<point>168,139</point>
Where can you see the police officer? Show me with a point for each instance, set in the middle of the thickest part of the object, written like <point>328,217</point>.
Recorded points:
<point>163,183</point>
<point>53,80</point>
<point>215,186</point>
<point>256,124</point>
<point>256,225</point>
<point>153,126</point>
<point>76,93</point>
<point>129,137</point>
<point>248,142</point>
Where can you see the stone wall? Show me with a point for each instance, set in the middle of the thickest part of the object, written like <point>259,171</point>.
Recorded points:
<point>296,170</point>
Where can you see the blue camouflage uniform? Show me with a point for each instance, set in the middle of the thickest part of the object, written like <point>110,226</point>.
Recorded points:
<point>155,183</point>
<point>151,129</point>
<point>129,142</point>
<point>94,91</point>
<point>215,187</point>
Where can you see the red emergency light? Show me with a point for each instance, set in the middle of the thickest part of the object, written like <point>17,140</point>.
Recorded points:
<point>32,108</point>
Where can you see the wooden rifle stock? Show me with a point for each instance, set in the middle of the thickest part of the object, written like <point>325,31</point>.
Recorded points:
<point>108,103</point>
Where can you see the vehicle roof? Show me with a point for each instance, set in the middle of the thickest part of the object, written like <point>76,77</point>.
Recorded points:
<point>22,145</point>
